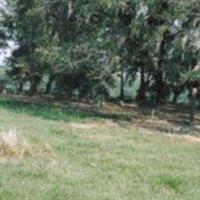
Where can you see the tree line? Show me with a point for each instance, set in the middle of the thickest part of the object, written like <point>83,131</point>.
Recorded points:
<point>87,48</point>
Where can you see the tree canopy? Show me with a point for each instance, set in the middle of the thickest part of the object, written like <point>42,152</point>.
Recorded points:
<point>87,48</point>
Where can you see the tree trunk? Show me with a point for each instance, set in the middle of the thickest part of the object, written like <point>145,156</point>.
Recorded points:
<point>154,106</point>
<point>142,89</point>
<point>159,93</point>
<point>122,86</point>
<point>34,85</point>
<point>193,95</point>
<point>176,95</point>
<point>160,86</point>
<point>49,85</point>
<point>1,87</point>
<point>20,89</point>
<point>70,9</point>
<point>177,91</point>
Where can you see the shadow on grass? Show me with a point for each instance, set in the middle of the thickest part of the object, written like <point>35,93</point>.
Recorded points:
<point>170,118</point>
<point>63,112</point>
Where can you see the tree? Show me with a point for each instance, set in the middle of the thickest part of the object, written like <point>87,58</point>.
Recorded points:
<point>83,47</point>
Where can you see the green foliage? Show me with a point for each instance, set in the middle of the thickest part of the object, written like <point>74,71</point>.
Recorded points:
<point>191,76</point>
<point>87,45</point>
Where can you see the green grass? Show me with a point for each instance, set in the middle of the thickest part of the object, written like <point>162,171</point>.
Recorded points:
<point>102,163</point>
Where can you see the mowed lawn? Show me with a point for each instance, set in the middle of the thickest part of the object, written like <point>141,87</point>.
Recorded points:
<point>75,156</point>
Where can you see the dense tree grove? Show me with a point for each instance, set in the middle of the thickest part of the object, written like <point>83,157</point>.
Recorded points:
<point>87,49</point>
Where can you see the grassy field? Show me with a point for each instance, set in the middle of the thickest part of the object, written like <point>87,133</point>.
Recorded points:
<point>64,153</point>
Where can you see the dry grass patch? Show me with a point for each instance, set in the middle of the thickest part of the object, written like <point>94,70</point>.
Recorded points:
<point>83,126</point>
<point>90,126</point>
<point>94,125</point>
<point>14,145</point>
<point>99,138</point>
<point>192,139</point>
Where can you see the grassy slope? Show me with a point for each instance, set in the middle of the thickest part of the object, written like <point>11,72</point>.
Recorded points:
<point>108,162</point>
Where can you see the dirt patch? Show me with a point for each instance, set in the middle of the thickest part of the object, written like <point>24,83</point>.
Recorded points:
<point>110,123</point>
<point>192,139</point>
<point>164,126</point>
<point>181,138</point>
